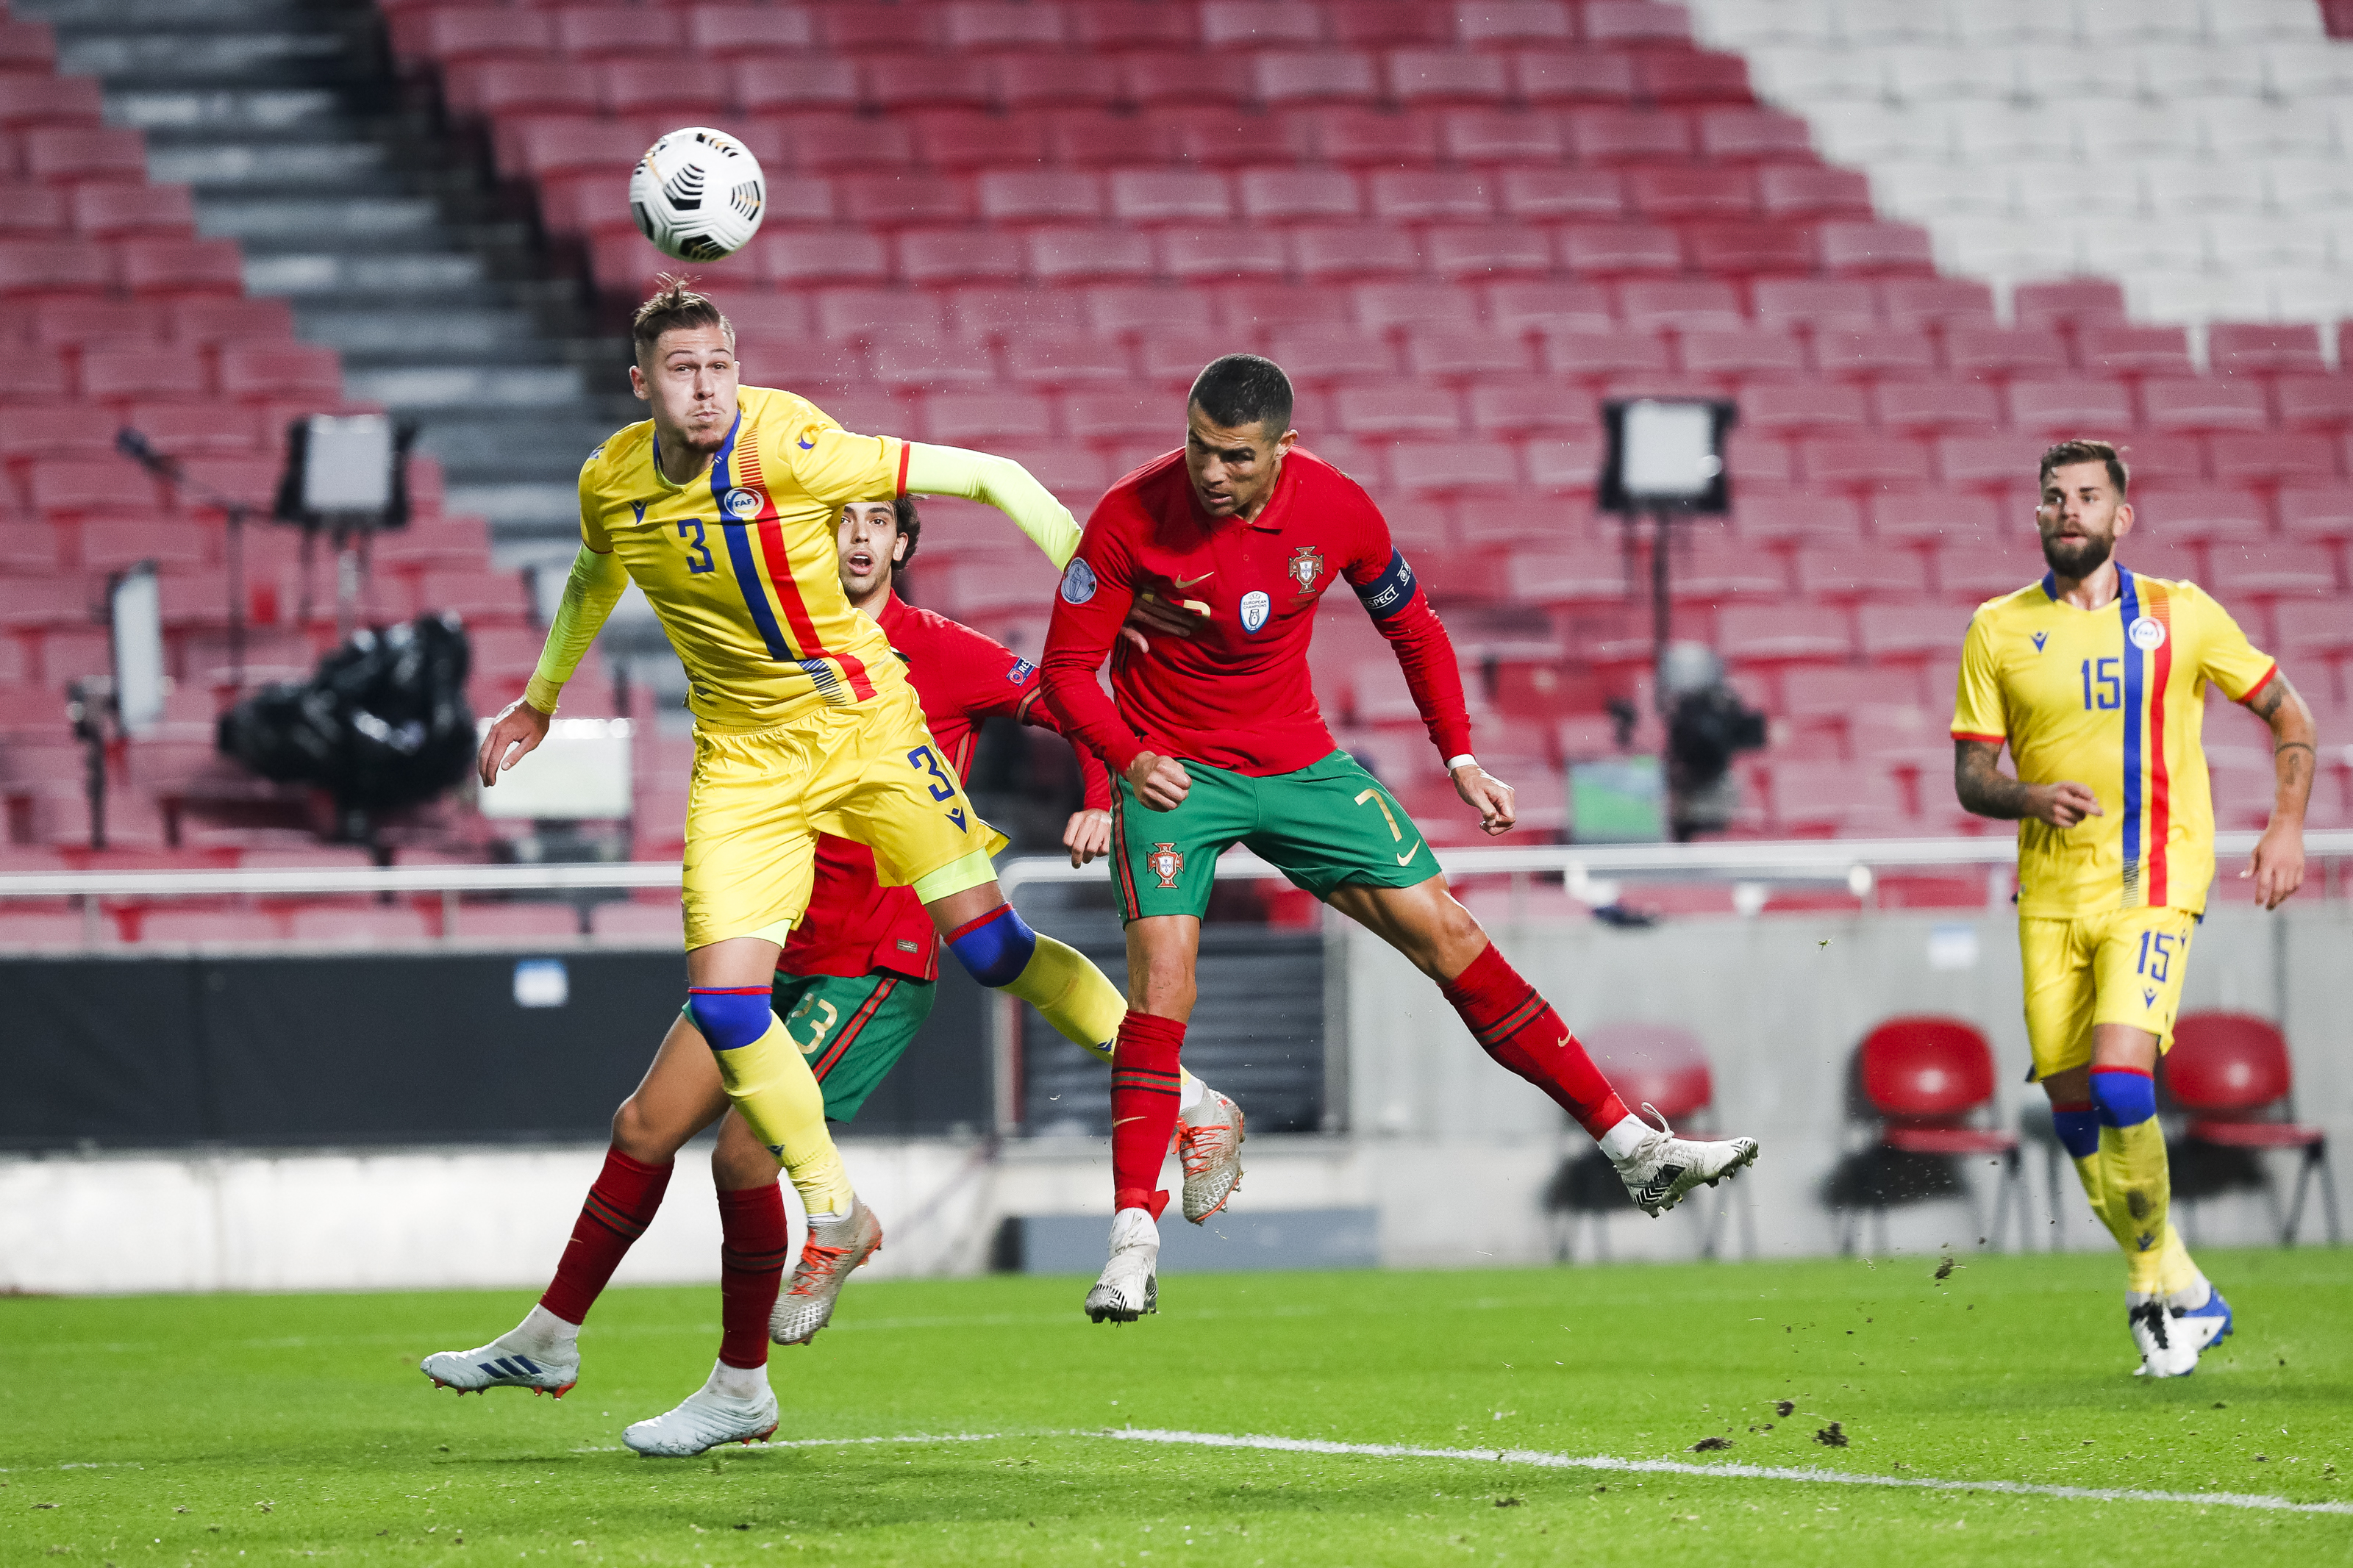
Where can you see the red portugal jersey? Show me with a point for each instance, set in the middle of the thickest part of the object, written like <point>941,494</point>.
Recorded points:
<point>855,925</point>
<point>1236,694</point>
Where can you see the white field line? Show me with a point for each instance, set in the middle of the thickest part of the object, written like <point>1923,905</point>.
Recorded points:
<point>1532,1457</point>
<point>1745,1472</point>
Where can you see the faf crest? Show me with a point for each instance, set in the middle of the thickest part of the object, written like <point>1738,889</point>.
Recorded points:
<point>1166,862</point>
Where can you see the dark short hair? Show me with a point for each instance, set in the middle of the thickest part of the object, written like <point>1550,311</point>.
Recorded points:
<point>911,528</point>
<point>1235,390</point>
<point>674,307</point>
<point>2082,450</point>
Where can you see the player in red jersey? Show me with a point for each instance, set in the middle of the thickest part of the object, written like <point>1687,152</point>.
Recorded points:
<point>1217,740</point>
<point>855,982</point>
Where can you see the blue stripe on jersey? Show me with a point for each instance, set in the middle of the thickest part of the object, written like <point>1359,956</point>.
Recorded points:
<point>2050,586</point>
<point>748,581</point>
<point>2128,608</point>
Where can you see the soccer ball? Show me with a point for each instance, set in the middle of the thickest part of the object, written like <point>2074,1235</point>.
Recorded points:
<point>698,194</point>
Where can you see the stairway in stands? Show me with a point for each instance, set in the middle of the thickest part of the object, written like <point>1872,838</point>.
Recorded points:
<point>286,121</point>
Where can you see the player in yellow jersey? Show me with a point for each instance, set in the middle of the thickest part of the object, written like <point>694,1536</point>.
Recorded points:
<point>2095,678</point>
<point>722,509</point>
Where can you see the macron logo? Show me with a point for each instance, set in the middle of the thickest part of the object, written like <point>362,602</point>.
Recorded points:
<point>2038,640</point>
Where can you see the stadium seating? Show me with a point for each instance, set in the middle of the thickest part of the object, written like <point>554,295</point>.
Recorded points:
<point>2230,1072</point>
<point>117,314</point>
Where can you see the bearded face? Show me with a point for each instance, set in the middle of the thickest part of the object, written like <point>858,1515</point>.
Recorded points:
<point>2074,556</point>
<point>2080,517</point>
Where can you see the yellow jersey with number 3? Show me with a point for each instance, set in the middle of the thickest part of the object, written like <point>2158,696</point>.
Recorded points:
<point>2111,698</point>
<point>741,563</point>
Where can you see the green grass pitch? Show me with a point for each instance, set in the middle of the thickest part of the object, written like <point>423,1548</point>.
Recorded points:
<point>266,1429</point>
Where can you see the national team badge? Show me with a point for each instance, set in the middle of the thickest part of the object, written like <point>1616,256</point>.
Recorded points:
<point>1306,566</point>
<point>1078,583</point>
<point>2146,634</point>
<point>742,504</point>
<point>1256,607</point>
<point>1166,862</point>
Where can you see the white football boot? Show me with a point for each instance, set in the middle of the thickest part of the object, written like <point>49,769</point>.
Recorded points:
<point>1210,1148</point>
<point>520,1358</point>
<point>705,1420</point>
<point>833,1248</point>
<point>1663,1168</point>
<point>1130,1285</point>
<point>2201,1325</point>
<point>2164,1352</point>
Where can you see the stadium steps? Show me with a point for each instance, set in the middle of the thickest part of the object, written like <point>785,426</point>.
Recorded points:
<point>394,244</point>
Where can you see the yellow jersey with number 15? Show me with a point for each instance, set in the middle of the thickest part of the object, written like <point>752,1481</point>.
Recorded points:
<point>2111,698</point>
<point>741,565</point>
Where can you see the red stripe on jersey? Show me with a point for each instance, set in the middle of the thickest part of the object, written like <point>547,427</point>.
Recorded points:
<point>789,594</point>
<point>2160,609</point>
<point>1988,740</point>
<point>905,448</point>
<point>2253,691</point>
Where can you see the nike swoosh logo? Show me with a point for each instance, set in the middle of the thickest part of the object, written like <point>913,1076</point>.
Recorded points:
<point>1188,582</point>
<point>1410,854</point>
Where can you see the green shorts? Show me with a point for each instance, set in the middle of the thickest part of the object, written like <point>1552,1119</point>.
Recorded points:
<point>853,1032</point>
<point>1327,824</point>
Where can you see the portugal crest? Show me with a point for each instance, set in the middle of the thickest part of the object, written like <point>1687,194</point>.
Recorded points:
<point>1306,567</point>
<point>1166,862</point>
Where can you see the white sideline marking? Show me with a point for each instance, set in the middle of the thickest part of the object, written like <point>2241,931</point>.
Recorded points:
<point>1746,1472</point>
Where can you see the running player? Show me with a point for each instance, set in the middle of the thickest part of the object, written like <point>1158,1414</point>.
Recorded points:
<point>855,983</point>
<point>722,506</point>
<point>1217,739</point>
<point>2096,677</point>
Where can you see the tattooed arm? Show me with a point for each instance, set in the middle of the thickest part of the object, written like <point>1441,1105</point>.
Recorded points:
<point>1988,792</point>
<point>2277,864</point>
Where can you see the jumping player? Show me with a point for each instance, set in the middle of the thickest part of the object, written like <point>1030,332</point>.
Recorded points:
<point>855,983</point>
<point>1217,739</point>
<point>722,506</point>
<point>2096,677</point>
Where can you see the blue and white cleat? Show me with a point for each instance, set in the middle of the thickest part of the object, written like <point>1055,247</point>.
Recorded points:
<point>500,1364</point>
<point>2201,1326</point>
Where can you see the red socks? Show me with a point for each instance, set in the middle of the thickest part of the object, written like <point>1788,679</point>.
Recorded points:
<point>1520,1030</point>
<point>620,1204</point>
<point>751,1250</point>
<point>1145,1082</point>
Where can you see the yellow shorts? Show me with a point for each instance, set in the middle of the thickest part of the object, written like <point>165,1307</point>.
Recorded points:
<point>759,798</point>
<point>2122,967</point>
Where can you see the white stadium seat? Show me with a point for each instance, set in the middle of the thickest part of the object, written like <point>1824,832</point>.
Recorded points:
<point>2302,184</point>
<point>1812,73</point>
<point>2257,130</point>
<point>2198,185</point>
<point>1863,133</point>
<point>2196,297</point>
<point>2314,69</point>
<point>2064,187</point>
<point>1941,187</point>
<point>1930,73</point>
<point>2310,296</point>
<point>2016,22</point>
<point>2126,21</point>
<point>2269,241</point>
<point>2071,75</point>
<point>1877,22</point>
<point>2010,132</point>
<point>2113,130</point>
<point>2208,70</point>
<point>2138,243</point>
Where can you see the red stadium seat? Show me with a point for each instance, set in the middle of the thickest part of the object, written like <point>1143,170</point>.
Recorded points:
<point>2232,1073</point>
<point>1877,351</point>
<point>1686,306</point>
<point>894,199</point>
<point>775,85</point>
<point>282,371</point>
<point>1786,190</point>
<point>824,256</point>
<point>1461,355</point>
<point>2324,514</point>
<point>1412,196</point>
<point>914,360</point>
<point>1442,75</point>
<point>2201,514</point>
<point>1915,630</point>
<point>1513,22</point>
<point>1760,135</point>
<point>2312,629</point>
<point>1075,254</point>
<point>1744,351</point>
<point>499,86</point>
<point>165,268</point>
<point>2134,350</point>
<point>1030,195</point>
<point>1152,79</point>
<point>1209,253</point>
<point>1396,411</point>
<point>1382,306</point>
<point>1321,353</point>
<point>1290,195</point>
<point>1355,251</point>
<point>2081,302</point>
<point>1123,24</point>
<point>1778,633</point>
<point>1783,519</point>
<point>1931,406</point>
<point>1611,136</point>
<point>1711,569</point>
<point>1549,307</point>
<point>721,31</point>
<point>1799,407</point>
<point>660,86</point>
<point>994,26</point>
<point>107,209</point>
<point>2238,348</point>
<point>1866,460</point>
<point>1311,76</point>
<point>451,35</point>
<point>856,312</point>
<point>859,29</point>
<point>1635,22</point>
<point>31,99</point>
<point>57,153</point>
<point>1844,572</point>
<point>1694,191</point>
<point>117,374</point>
<point>1170,195</point>
<point>929,257</point>
<point>1490,136</point>
<point>1925,1077</point>
<point>1752,247</point>
<point>1361,22</point>
<point>896,84</point>
<point>2270,458</point>
<point>1937,515</point>
<point>1592,354</point>
<point>1540,194</point>
<point>2315,402</point>
<point>1352,136</point>
<point>362,926</point>
<point>2270,571</point>
<point>1936,301</point>
<point>1055,81</point>
<point>1055,360</point>
<point>2203,402</point>
<point>1572,76</point>
<point>1615,249</point>
<point>2068,406</point>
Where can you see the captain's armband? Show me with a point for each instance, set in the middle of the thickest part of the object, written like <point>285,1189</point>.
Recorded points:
<point>1391,592</point>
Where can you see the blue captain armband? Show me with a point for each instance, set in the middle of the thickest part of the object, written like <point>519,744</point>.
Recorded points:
<point>1391,592</point>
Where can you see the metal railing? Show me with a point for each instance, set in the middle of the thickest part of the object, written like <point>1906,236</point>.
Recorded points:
<point>1767,860</point>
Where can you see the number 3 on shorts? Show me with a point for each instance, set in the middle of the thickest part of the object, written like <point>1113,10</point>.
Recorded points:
<point>923,759</point>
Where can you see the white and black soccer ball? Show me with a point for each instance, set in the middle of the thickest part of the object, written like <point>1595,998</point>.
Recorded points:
<point>698,193</point>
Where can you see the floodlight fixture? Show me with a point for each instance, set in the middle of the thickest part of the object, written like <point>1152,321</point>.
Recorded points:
<point>345,472</point>
<point>1666,455</point>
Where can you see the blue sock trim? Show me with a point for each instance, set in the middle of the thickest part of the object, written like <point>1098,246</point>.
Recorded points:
<point>730,1017</point>
<point>2078,1127</point>
<point>2123,1098</point>
<point>996,948</point>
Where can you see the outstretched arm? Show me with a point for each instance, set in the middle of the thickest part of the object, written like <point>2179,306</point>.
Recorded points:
<point>590,593</point>
<point>2277,863</point>
<point>1003,484</point>
<point>1987,792</point>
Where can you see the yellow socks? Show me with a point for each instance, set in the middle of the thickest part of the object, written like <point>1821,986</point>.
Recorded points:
<point>771,1084</point>
<point>1071,994</point>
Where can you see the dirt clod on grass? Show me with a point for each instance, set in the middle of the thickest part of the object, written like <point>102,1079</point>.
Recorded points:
<point>1831,1437</point>
<point>1710,1445</point>
<point>1784,1406</point>
<point>1945,1270</point>
<point>1507,1502</point>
